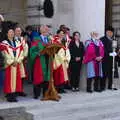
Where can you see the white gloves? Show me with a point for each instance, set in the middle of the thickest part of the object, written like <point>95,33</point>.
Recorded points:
<point>113,54</point>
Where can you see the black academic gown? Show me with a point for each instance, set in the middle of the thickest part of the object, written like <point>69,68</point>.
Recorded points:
<point>107,62</point>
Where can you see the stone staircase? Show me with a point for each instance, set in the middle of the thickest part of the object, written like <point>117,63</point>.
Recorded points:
<point>73,106</point>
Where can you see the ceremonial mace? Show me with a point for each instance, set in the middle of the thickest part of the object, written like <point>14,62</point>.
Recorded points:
<point>114,54</point>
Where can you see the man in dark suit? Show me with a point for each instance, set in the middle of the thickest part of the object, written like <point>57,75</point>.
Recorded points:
<point>107,60</point>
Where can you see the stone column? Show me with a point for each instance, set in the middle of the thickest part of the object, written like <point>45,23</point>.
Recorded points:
<point>36,16</point>
<point>33,14</point>
<point>64,13</point>
<point>88,15</point>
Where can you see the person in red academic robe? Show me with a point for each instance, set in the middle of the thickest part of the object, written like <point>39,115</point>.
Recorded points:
<point>61,62</point>
<point>21,41</point>
<point>13,55</point>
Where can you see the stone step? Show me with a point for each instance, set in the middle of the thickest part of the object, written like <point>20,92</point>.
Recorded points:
<point>84,116</point>
<point>102,106</point>
<point>76,98</point>
<point>73,106</point>
<point>82,113</point>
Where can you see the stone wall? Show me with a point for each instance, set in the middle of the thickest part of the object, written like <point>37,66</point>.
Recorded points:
<point>14,10</point>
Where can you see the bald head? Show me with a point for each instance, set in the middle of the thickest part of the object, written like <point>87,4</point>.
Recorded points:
<point>44,30</point>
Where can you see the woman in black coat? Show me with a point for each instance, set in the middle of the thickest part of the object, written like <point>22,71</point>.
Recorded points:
<point>77,51</point>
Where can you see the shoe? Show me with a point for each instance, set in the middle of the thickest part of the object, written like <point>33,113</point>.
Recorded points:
<point>115,89</point>
<point>22,94</point>
<point>98,90</point>
<point>11,97</point>
<point>15,100</point>
<point>1,118</point>
<point>73,89</point>
<point>61,91</point>
<point>35,97</point>
<point>68,87</point>
<point>12,100</point>
<point>89,91</point>
<point>77,89</point>
<point>102,89</point>
<point>109,88</point>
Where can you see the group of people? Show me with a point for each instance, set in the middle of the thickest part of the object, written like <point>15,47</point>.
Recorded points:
<point>98,58</point>
<point>22,59</point>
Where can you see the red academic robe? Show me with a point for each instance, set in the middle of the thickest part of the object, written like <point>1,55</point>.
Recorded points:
<point>24,73</point>
<point>12,81</point>
<point>60,67</point>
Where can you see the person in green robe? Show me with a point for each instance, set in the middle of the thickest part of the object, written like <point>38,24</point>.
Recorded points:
<point>40,63</point>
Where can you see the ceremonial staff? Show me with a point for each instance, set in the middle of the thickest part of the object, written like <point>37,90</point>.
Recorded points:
<point>114,54</point>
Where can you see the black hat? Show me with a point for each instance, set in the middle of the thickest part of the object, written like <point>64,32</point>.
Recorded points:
<point>110,28</point>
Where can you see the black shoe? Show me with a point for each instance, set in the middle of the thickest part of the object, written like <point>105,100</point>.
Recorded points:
<point>115,89</point>
<point>12,100</point>
<point>1,118</point>
<point>15,100</point>
<point>110,88</point>
<point>73,89</point>
<point>61,91</point>
<point>89,91</point>
<point>98,90</point>
<point>103,89</point>
<point>35,97</point>
<point>22,94</point>
<point>67,87</point>
<point>11,97</point>
<point>77,89</point>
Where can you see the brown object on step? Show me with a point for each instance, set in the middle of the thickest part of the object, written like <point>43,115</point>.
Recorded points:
<point>51,93</point>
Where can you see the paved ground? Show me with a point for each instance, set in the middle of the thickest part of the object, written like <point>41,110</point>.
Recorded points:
<point>72,106</point>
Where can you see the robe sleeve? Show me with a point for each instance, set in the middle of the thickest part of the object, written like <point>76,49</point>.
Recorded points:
<point>8,58</point>
<point>59,58</point>
<point>20,58</point>
<point>25,50</point>
<point>61,54</point>
<point>68,57</point>
<point>25,47</point>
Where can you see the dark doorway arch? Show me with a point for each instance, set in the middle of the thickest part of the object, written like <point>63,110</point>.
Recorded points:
<point>108,13</point>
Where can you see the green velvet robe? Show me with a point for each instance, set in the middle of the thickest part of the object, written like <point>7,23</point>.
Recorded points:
<point>36,47</point>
